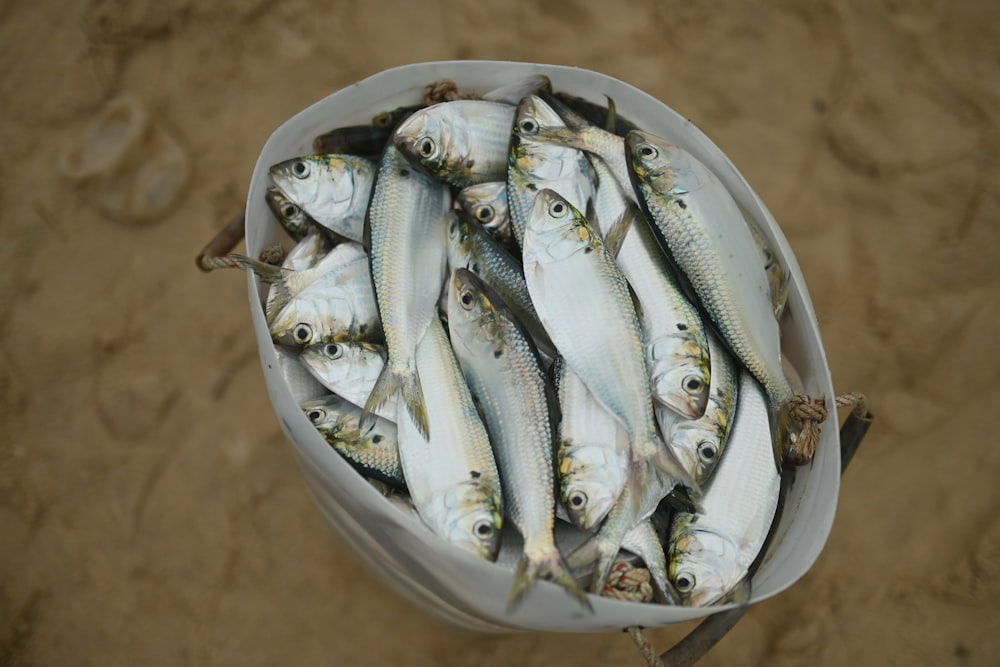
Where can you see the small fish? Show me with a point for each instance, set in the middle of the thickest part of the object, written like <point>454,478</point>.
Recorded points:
<point>506,377</point>
<point>373,451</point>
<point>471,247</point>
<point>452,477</point>
<point>699,443</point>
<point>292,218</point>
<point>677,352</point>
<point>462,142</point>
<point>711,550</point>
<point>332,189</point>
<point>349,369</point>
<point>701,228</point>
<point>407,232</point>
<point>593,452</point>
<point>584,304</point>
<point>486,203</point>
<point>534,165</point>
<point>339,304</point>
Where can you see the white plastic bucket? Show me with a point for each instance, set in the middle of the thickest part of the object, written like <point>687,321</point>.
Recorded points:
<point>449,583</point>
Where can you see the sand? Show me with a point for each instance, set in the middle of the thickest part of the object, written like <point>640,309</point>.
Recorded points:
<point>151,512</point>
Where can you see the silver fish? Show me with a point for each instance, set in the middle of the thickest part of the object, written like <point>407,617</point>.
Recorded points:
<point>593,452</point>
<point>338,304</point>
<point>534,165</point>
<point>699,443</point>
<point>677,353</point>
<point>373,450</point>
<point>583,301</point>
<point>462,142</point>
<point>486,203</point>
<point>453,477</point>
<point>293,219</point>
<point>506,377</point>
<point>700,226</point>
<point>349,369</point>
<point>332,189</point>
<point>407,229</point>
<point>470,247</point>
<point>711,550</point>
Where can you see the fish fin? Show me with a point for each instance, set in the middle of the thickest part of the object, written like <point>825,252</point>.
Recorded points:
<point>552,567</point>
<point>615,237</point>
<point>738,594</point>
<point>269,273</point>
<point>612,115</point>
<point>662,462</point>
<point>590,552</point>
<point>408,383</point>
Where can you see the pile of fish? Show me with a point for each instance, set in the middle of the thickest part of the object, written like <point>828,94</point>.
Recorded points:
<point>528,311</point>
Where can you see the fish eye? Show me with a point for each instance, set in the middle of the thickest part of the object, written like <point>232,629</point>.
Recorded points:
<point>693,384</point>
<point>467,299</point>
<point>576,500</point>
<point>684,582</point>
<point>300,169</point>
<point>315,415</point>
<point>302,333</point>
<point>484,213</point>
<point>333,351</point>
<point>425,147</point>
<point>289,210</point>
<point>647,151</point>
<point>707,451</point>
<point>528,126</point>
<point>557,209</point>
<point>383,119</point>
<point>483,529</point>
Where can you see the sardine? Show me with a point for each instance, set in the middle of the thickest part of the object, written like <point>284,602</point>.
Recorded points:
<point>486,203</point>
<point>505,375</point>
<point>452,477</point>
<point>407,232</point>
<point>462,142</point>
<point>593,453</point>
<point>471,247</point>
<point>711,550</point>
<point>349,370</point>
<point>699,443</point>
<point>583,301</point>
<point>676,347</point>
<point>337,305</point>
<point>332,189</point>
<point>701,228</point>
<point>372,450</point>
<point>534,165</point>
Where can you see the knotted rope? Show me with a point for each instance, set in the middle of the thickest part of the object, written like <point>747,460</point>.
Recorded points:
<point>445,90</point>
<point>627,582</point>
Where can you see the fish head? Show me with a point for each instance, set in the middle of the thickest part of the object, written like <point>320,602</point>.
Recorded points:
<point>704,566</point>
<point>486,203</point>
<point>471,517</point>
<point>590,481</point>
<point>535,118</point>
<point>435,138</point>
<point>307,321</point>
<point>473,317</point>
<point>698,446</point>
<point>681,373</point>
<point>288,213</point>
<point>659,165</point>
<point>556,230</point>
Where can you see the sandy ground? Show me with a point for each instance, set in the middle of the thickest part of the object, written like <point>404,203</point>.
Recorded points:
<point>151,512</point>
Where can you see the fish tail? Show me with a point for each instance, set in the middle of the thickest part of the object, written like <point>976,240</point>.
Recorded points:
<point>550,566</point>
<point>590,552</point>
<point>405,381</point>
<point>269,273</point>
<point>652,469</point>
